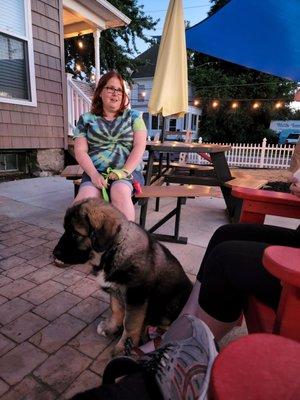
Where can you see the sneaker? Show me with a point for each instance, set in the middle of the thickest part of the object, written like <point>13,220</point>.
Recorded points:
<point>183,364</point>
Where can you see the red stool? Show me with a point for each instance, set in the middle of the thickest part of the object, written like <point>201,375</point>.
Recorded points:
<point>257,367</point>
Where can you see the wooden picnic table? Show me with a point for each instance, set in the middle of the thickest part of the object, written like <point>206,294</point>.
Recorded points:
<point>218,160</point>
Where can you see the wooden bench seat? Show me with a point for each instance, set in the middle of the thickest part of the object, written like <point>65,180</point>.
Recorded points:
<point>188,166</point>
<point>72,172</point>
<point>174,191</point>
<point>245,182</point>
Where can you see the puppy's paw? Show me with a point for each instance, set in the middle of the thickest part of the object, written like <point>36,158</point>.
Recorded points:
<point>124,346</point>
<point>107,328</point>
<point>101,328</point>
<point>119,349</point>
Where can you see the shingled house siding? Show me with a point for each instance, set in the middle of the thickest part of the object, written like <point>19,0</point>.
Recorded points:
<point>41,127</point>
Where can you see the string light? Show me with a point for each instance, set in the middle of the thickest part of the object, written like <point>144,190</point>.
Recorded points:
<point>79,42</point>
<point>278,105</point>
<point>216,103</point>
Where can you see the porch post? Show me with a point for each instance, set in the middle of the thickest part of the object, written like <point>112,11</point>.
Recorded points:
<point>96,35</point>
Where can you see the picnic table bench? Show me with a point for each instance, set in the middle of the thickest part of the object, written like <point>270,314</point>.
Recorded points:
<point>155,190</point>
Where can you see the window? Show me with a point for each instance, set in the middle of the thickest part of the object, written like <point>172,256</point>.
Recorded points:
<point>172,125</point>
<point>161,121</point>
<point>186,122</point>
<point>17,82</point>
<point>8,162</point>
<point>141,93</point>
<point>194,122</point>
<point>146,119</point>
<point>154,124</point>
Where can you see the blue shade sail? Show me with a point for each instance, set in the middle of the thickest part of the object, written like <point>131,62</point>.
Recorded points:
<point>259,34</point>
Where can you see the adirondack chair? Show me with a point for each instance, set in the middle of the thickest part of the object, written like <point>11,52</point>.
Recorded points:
<point>257,366</point>
<point>283,262</point>
<point>256,204</point>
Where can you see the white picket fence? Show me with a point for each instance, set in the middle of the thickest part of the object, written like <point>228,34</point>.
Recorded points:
<point>253,155</point>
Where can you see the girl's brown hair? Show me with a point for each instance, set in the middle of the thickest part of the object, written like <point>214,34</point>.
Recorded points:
<point>97,105</point>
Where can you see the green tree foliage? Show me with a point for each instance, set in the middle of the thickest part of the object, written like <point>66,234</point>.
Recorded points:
<point>117,46</point>
<point>227,82</point>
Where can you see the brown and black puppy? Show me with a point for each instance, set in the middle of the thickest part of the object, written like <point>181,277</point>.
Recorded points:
<point>147,284</point>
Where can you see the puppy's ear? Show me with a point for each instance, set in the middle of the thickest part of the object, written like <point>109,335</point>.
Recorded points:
<point>72,214</point>
<point>93,213</point>
<point>104,238</point>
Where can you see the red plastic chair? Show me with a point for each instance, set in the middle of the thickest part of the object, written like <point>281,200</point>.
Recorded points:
<point>283,262</point>
<point>259,203</point>
<point>257,367</point>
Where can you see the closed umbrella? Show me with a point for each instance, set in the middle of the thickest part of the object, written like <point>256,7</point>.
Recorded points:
<point>169,95</point>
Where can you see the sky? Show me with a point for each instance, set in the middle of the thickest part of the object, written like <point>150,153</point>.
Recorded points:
<point>194,12</point>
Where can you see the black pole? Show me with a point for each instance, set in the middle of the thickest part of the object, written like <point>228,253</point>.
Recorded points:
<point>162,133</point>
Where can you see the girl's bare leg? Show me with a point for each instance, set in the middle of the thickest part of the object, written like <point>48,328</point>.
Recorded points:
<point>120,195</point>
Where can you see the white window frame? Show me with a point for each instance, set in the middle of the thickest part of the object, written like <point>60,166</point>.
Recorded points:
<point>29,40</point>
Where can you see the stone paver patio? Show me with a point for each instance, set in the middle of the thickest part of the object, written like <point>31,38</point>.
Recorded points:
<point>49,348</point>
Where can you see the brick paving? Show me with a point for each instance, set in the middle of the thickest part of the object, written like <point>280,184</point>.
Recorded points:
<point>49,348</point>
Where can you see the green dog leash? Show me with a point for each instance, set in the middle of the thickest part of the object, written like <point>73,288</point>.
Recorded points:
<point>120,173</point>
<point>104,191</point>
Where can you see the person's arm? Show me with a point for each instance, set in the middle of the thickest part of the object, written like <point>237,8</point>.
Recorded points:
<point>84,160</point>
<point>295,187</point>
<point>136,154</point>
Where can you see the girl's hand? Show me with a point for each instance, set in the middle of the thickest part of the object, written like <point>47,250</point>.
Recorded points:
<point>98,181</point>
<point>115,174</point>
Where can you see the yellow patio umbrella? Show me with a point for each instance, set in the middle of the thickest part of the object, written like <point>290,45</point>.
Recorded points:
<point>169,95</point>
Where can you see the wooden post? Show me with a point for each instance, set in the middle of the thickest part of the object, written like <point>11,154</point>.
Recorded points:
<point>262,154</point>
<point>96,35</point>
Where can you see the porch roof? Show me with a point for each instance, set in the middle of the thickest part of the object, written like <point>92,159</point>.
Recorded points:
<point>84,16</point>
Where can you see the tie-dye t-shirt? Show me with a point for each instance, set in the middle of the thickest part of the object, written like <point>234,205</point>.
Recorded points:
<point>110,142</point>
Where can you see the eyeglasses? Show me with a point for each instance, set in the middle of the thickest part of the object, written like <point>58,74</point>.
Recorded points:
<point>113,90</point>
